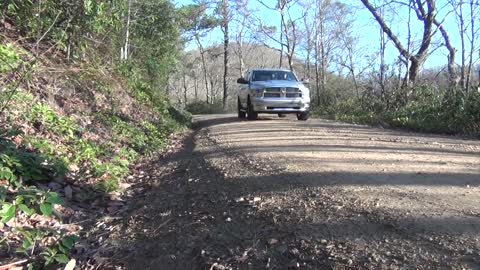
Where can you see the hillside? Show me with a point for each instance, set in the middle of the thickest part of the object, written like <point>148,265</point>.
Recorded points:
<point>72,132</point>
<point>103,166</point>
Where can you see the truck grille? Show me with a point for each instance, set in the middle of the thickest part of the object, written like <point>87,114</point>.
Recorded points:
<point>278,92</point>
<point>283,108</point>
<point>270,94</point>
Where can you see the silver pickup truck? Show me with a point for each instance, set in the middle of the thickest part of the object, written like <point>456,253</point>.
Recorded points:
<point>274,91</point>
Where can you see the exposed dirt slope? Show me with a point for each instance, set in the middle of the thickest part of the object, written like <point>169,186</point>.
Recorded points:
<point>279,193</point>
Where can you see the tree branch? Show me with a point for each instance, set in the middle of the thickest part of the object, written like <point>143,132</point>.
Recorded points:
<point>386,29</point>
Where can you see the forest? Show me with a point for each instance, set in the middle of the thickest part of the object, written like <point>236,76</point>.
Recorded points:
<point>89,88</point>
<point>424,76</point>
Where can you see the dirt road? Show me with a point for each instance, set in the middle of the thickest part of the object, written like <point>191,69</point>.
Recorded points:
<point>279,193</point>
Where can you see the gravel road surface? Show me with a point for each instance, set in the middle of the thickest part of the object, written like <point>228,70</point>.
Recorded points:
<point>278,193</point>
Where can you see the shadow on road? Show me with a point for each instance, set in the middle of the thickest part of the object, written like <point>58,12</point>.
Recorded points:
<point>193,217</point>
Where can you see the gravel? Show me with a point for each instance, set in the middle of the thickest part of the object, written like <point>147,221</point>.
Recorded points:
<point>279,193</point>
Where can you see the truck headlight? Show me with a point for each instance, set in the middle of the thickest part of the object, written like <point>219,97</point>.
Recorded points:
<point>259,92</point>
<point>305,92</point>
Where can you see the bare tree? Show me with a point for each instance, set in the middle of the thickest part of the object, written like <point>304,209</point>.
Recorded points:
<point>466,18</point>
<point>223,10</point>
<point>425,11</point>
<point>204,66</point>
<point>242,17</point>
<point>453,78</point>
<point>348,60</point>
<point>307,43</point>
<point>331,26</point>
<point>474,29</point>
<point>196,24</point>
<point>124,49</point>
<point>287,36</point>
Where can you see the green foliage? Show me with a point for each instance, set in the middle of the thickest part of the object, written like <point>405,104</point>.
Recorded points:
<point>425,109</point>
<point>108,185</point>
<point>193,19</point>
<point>29,201</point>
<point>59,252</point>
<point>20,167</point>
<point>124,131</point>
<point>202,107</point>
<point>143,137</point>
<point>421,112</point>
<point>86,151</point>
<point>352,110</point>
<point>64,22</point>
<point>182,118</point>
<point>30,166</point>
<point>40,144</point>
<point>462,112</point>
<point>9,58</point>
<point>59,144</point>
<point>42,115</point>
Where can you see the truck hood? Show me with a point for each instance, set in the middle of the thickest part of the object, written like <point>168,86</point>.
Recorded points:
<point>275,83</point>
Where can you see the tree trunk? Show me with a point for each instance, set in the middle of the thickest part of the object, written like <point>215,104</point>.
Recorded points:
<point>185,89</point>
<point>225,51</point>
<point>282,15</point>
<point>204,66</point>
<point>472,44</point>
<point>195,86</point>
<point>290,61</point>
<point>309,46</point>
<point>453,78</point>
<point>406,80</point>
<point>427,17</point>
<point>280,63</point>
<point>317,73</point>
<point>127,31</point>
<point>462,40</point>
<point>323,64</point>
<point>317,82</point>
<point>383,44</point>
<point>239,50</point>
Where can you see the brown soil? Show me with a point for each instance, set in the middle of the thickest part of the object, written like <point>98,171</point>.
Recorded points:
<point>279,193</point>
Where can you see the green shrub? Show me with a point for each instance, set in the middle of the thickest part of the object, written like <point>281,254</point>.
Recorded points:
<point>108,185</point>
<point>31,166</point>
<point>353,110</point>
<point>425,109</point>
<point>85,151</point>
<point>182,118</point>
<point>41,115</point>
<point>202,107</point>
<point>30,200</point>
<point>9,58</point>
<point>463,112</point>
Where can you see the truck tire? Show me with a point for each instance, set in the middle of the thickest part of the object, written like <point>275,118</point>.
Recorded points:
<point>241,113</point>
<point>251,114</point>
<point>303,116</point>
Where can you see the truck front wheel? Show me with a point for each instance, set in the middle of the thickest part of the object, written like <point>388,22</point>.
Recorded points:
<point>241,113</point>
<point>303,116</point>
<point>251,114</point>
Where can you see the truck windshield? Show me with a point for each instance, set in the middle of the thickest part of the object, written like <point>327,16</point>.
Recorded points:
<point>269,75</point>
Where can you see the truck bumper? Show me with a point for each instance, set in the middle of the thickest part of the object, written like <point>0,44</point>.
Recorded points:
<point>280,105</point>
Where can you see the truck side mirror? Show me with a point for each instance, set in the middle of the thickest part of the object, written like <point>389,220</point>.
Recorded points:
<point>242,81</point>
<point>305,81</point>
